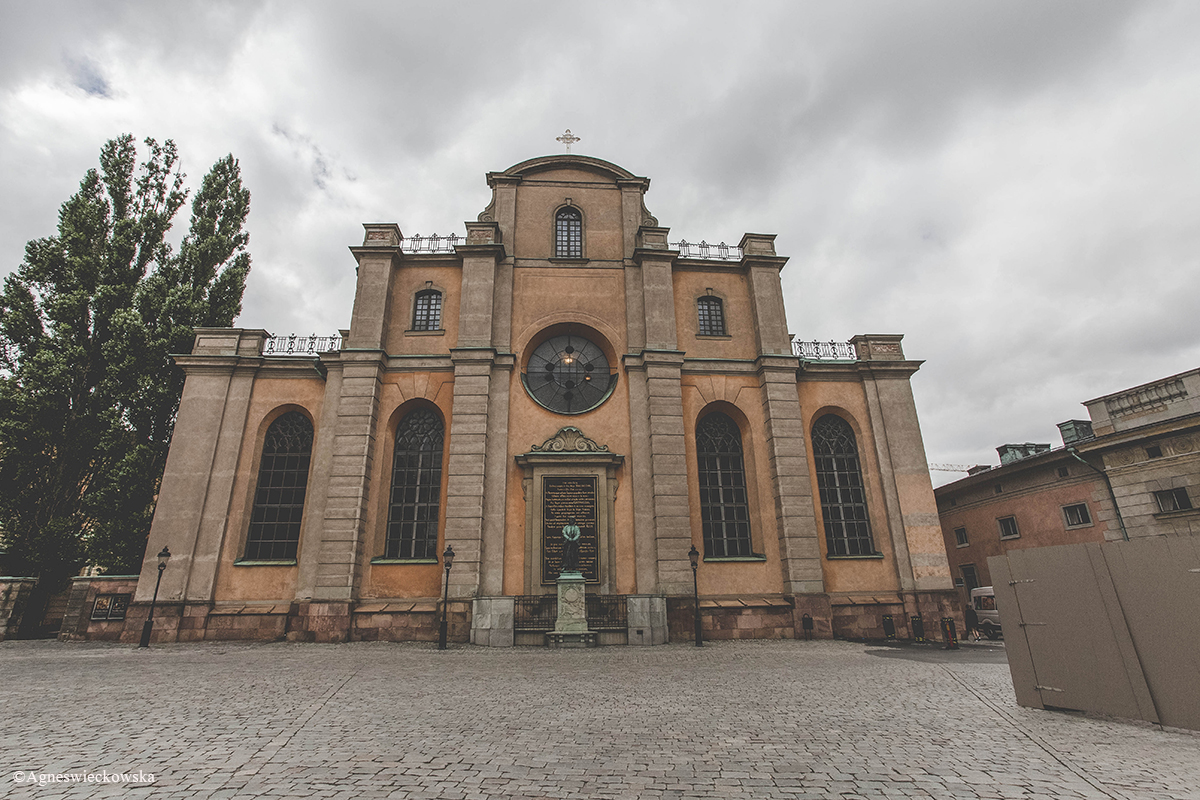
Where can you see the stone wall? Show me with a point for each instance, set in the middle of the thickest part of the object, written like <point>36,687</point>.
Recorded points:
<point>14,594</point>
<point>77,623</point>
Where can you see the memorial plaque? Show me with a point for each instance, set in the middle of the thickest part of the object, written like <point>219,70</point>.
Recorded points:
<point>564,498</point>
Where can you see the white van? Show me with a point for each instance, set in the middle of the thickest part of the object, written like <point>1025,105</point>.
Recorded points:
<point>983,600</point>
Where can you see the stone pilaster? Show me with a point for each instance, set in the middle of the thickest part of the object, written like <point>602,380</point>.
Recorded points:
<point>197,483</point>
<point>913,523</point>
<point>350,464</point>
<point>766,293</point>
<point>791,484</point>
<point>466,468</point>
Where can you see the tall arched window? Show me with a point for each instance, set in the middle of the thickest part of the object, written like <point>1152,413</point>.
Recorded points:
<point>724,513</point>
<point>840,481</point>
<point>568,233</point>
<point>427,311</point>
<point>712,316</point>
<point>279,499</point>
<point>413,508</point>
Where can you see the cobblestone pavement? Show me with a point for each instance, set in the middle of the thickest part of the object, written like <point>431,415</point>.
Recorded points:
<point>730,720</point>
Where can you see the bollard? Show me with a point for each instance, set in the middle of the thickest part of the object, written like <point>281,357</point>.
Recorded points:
<point>807,623</point>
<point>949,634</point>
<point>889,626</point>
<point>918,629</point>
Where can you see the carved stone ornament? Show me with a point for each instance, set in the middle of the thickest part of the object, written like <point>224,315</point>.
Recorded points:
<point>488,214</point>
<point>479,236</point>
<point>1184,444</point>
<point>569,440</point>
<point>648,219</point>
<point>885,347</point>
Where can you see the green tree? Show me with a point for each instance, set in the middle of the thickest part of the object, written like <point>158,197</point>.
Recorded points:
<point>88,392</point>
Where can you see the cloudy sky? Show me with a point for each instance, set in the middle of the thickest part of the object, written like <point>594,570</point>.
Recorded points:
<point>1015,186</point>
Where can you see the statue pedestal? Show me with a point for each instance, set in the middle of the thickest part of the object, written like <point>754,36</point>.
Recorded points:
<point>570,629</point>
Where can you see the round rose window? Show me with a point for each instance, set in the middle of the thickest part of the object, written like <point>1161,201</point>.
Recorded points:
<point>569,375</point>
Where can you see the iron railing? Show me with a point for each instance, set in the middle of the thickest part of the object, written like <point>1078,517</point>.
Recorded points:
<point>607,612</point>
<point>824,351</point>
<point>301,345</point>
<point>539,612</point>
<point>718,252</point>
<point>431,244</point>
<point>535,612</point>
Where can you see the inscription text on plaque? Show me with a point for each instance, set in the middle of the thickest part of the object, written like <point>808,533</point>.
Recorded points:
<point>564,498</point>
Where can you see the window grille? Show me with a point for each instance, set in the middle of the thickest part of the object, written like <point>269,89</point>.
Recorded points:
<point>427,311</point>
<point>568,233</point>
<point>840,482</point>
<point>712,316</point>
<point>279,499</point>
<point>415,502</point>
<point>724,513</point>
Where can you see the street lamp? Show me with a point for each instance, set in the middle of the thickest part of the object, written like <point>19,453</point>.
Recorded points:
<point>163,558</point>
<point>448,561</point>
<point>694,557</point>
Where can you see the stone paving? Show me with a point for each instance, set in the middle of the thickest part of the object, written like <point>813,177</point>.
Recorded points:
<point>780,719</point>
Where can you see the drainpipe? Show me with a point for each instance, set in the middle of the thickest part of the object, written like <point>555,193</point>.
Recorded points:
<point>1108,483</point>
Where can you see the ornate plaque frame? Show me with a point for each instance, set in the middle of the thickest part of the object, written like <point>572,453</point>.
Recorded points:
<point>569,454</point>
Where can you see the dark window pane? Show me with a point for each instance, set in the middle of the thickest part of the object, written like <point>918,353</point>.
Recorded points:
<point>723,508</point>
<point>840,482</point>
<point>416,487</point>
<point>568,233</point>
<point>279,497</point>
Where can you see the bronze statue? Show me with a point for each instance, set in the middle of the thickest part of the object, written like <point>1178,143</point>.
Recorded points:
<point>570,552</point>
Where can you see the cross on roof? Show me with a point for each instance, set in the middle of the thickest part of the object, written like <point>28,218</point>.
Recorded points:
<point>569,139</point>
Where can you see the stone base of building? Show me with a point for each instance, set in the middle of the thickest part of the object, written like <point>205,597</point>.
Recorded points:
<point>815,616</point>
<point>489,621</point>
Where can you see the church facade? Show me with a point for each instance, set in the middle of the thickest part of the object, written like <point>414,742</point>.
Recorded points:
<point>561,362</point>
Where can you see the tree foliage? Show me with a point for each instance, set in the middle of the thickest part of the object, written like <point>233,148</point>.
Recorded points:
<point>88,392</point>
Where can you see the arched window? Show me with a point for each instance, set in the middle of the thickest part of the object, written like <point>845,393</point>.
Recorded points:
<point>840,481</point>
<point>279,499</point>
<point>427,311</point>
<point>568,233</point>
<point>724,514</point>
<point>712,316</point>
<point>415,502</point>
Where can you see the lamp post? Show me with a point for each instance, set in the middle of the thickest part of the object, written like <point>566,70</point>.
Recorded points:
<point>448,561</point>
<point>694,557</point>
<point>163,558</point>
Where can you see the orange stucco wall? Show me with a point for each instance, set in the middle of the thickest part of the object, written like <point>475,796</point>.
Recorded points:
<point>846,399</point>
<point>270,399</point>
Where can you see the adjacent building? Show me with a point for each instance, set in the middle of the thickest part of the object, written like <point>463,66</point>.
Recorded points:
<point>1131,470</point>
<point>563,360</point>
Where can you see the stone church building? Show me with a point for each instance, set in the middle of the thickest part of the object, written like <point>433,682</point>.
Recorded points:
<point>563,360</point>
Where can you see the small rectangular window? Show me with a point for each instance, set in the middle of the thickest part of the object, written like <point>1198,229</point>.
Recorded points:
<point>999,488</point>
<point>427,311</point>
<point>1008,527</point>
<point>1063,472</point>
<point>1173,500</point>
<point>110,606</point>
<point>712,316</point>
<point>1077,515</point>
<point>960,537</point>
<point>1153,451</point>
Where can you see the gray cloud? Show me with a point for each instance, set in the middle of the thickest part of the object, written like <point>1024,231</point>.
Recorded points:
<point>1011,185</point>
